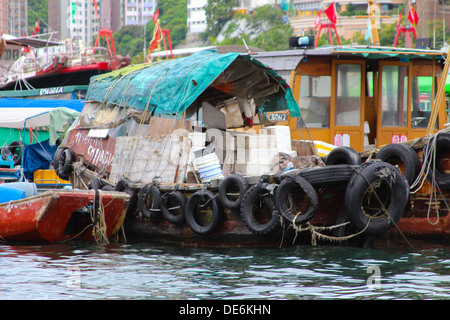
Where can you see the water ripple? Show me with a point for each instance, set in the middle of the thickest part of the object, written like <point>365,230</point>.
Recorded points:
<point>148,271</point>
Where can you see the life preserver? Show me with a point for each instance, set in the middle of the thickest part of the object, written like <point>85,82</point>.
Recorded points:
<point>16,149</point>
<point>236,183</point>
<point>171,200</point>
<point>343,155</point>
<point>403,156</point>
<point>437,148</point>
<point>149,193</point>
<point>203,198</point>
<point>375,182</point>
<point>290,191</point>
<point>65,162</point>
<point>258,210</point>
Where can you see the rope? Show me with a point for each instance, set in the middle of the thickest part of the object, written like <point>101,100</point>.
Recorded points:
<point>98,219</point>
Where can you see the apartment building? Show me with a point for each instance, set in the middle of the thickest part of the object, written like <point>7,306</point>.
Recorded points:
<point>16,23</point>
<point>138,12</point>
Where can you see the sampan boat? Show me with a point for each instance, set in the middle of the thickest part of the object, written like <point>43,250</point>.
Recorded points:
<point>63,215</point>
<point>199,144</point>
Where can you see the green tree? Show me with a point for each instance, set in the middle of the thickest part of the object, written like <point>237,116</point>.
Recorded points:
<point>131,40</point>
<point>37,11</point>
<point>218,12</point>
<point>272,33</point>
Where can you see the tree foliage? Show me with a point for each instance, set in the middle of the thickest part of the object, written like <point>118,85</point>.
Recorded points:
<point>131,40</point>
<point>218,12</point>
<point>37,11</point>
<point>266,28</point>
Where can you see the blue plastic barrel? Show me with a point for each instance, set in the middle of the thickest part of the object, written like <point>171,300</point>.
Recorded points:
<point>10,194</point>
<point>29,188</point>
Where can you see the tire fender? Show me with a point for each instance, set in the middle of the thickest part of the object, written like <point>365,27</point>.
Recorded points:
<point>258,203</point>
<point>233,182</point>
<point>149,192</point>
<point>401,154</point>
<point>437,148</point>
<point>65,164</point>
<point>378,181</point>
<point>203,198</point>
<point>343,155</point>
<point>174,198</point>
<point>308,196</point>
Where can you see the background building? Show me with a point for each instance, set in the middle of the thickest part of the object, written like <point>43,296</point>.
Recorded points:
<point>138,12</point>
<point>18,18</point>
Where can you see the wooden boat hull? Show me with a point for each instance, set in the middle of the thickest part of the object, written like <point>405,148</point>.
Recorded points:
<point>55,215</point>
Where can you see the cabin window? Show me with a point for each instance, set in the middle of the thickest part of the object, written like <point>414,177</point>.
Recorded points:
<point>314,101</point>
<point>348,95</point>
<point>421,101</point>
<point>394,88</point>
<point>7,54</point>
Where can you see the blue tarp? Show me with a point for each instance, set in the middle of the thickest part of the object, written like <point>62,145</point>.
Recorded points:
<point>41,103</point>
<point>37,156</point>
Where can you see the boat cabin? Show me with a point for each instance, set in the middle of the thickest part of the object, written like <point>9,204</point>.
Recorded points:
<point>361,97</point>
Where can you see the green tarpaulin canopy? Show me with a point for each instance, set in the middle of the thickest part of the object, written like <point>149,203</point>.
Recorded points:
<point>171,87</point>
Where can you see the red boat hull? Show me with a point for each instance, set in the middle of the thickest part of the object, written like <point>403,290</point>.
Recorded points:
<point>55,215</point>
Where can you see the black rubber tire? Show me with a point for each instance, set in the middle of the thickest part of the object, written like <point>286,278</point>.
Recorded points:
<point>283,195</point>
<point>403,156</point>
<point>17,156</point>
<point>95,184</point>
<point>149,192</point>
<point>362,206</point>
<point>170,200</point>
<point>123,186</point>
<point>258,210</point>
<point>56,157</point>
<point>328,175</point>
<point>343,155</point>
<point>65,164</point>
<point>203,198</point>
<point>442,150</point>
<point>108,188</point>
<point>231,183</point>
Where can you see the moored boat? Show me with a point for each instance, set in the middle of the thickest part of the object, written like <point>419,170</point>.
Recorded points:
<point>33,63</point>
<point>198,143</point>
<point>63,215</point>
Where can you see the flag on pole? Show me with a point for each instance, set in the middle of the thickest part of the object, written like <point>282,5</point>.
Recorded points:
<point>155,16</point>
<point>412,16</point>
<point>36,28</point>
<point>157,33</point>
<point>317,23</point>
<point>331,13</point>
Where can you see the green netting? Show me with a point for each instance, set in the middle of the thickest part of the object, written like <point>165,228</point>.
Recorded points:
<point>169,87</point>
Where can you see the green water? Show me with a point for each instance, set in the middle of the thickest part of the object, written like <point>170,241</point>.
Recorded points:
<point>156,272</point>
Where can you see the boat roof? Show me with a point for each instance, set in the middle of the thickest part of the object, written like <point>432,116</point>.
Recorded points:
<point>291,58</point>
<point>34,113</point>
<point>170,87</point>
<point>31,41</point>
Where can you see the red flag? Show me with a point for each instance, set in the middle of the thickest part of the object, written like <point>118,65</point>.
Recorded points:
<point>331,13</point>
<point>412,16</point>
<point>156,38</point>
<point>156,16</point>
<point>317,23</point>
<point>36,28</point>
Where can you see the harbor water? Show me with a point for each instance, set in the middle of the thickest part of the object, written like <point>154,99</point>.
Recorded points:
<point>142,271</point>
